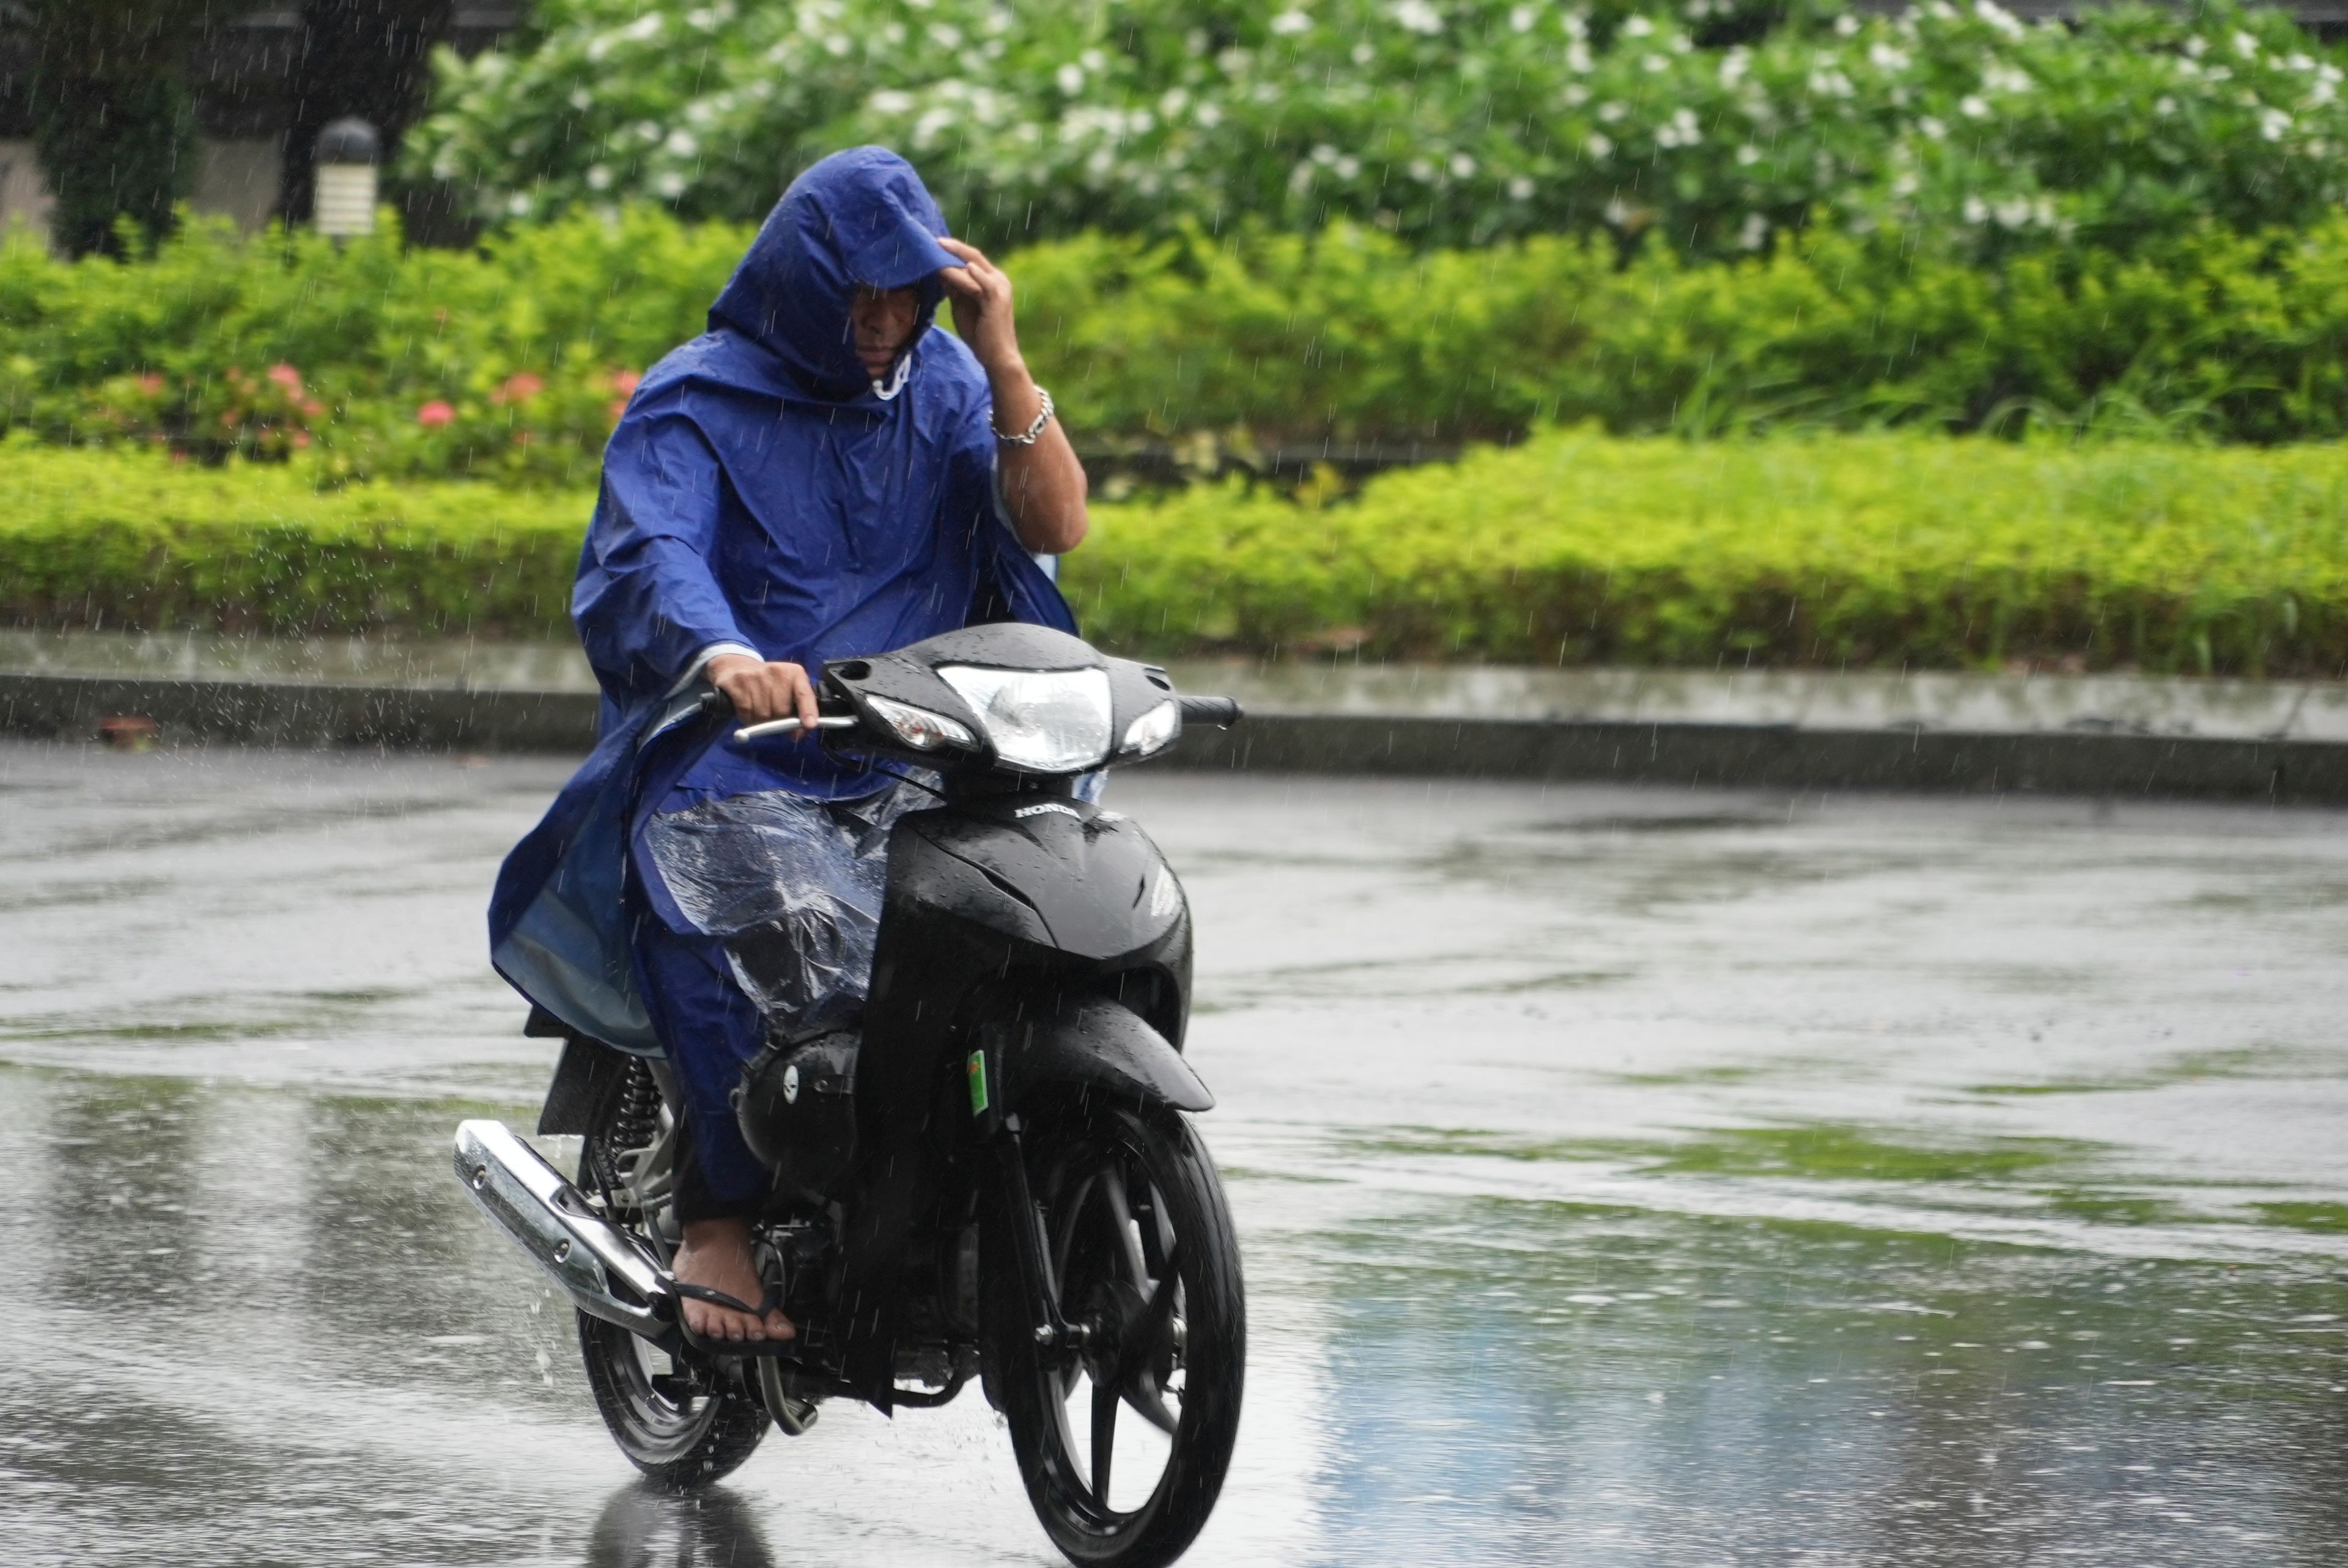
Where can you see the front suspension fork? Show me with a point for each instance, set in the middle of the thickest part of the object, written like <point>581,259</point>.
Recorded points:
<point>1029,1244</point>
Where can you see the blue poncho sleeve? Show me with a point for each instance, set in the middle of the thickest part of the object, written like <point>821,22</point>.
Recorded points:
<point>647,602</point>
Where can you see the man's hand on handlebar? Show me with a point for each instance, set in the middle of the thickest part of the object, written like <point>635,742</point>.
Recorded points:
<point>762,693</point>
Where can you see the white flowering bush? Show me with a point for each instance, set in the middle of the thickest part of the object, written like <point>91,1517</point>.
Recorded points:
<point>1444,121</point>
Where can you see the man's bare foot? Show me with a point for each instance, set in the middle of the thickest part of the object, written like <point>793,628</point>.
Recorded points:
<point>717,1253</point>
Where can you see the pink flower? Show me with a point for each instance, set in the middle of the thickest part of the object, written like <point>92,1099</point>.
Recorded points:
<point>150,384</point>
<point>625,382</point>
<point>435,414</point>
<point>301,438</point>
<point>286,376</point>
<point>520,387</point>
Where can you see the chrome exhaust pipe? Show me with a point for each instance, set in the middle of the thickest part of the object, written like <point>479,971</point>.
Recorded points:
<point>601,1268</point>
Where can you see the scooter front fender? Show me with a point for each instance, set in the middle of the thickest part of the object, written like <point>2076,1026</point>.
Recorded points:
<point>1090,1044</point>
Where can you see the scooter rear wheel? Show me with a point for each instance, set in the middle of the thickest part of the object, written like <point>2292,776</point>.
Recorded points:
<point>684,1427</point>
<point>1142,1253</point>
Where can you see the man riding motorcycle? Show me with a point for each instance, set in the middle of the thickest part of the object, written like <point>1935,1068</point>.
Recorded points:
<point>817,475</point>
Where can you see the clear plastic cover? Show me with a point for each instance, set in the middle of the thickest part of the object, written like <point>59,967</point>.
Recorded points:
<point>793,884</point>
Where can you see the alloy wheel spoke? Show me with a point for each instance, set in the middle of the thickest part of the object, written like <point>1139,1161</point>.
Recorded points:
<point>1143,1336</point>
<point>1105,1403</point>
<point>1120,1214</point>
<point>1136,1392</point>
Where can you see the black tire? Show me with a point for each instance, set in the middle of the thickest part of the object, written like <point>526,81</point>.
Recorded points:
<point>1175,1336</point>
<point>682,1426</point>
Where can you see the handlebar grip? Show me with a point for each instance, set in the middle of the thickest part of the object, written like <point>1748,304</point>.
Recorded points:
<point>1220,712</point>
<point>715,702</point>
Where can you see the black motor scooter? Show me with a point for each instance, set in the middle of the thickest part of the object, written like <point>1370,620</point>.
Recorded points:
<point>993,1175</point>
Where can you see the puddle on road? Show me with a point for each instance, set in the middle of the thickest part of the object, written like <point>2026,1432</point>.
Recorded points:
<point>1626,1179</point>
<point>269,1321</point>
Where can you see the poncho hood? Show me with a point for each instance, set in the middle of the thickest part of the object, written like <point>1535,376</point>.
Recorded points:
<point>859,216</point>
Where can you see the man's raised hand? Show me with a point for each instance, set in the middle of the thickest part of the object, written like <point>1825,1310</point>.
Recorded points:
<point>980,293</point>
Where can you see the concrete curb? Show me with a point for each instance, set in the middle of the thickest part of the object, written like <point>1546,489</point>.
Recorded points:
<point>1782,757</point>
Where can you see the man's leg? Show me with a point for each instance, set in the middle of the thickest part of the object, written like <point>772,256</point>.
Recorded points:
<point>711,1030</point>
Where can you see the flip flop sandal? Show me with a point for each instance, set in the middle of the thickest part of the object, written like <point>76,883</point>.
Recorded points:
<point>768,1303</point>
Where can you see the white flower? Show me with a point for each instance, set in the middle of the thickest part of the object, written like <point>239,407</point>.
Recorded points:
<point>647,25</point>
<point>2012,212</point>
<point>1521,188</point>
<point>1748,155</point>
<point>669,186</point>
<point>1755,232</point>
<point>1521,18</point>
<point>2164,106</point>
<point>1600,144</point>
<point>681,144</point>
<point>1575,94</point>
<point>1209,117</point>
<point>1932,128</point>
<point>1845,24</point>
<point>1972,106</point>
<point>1884,57</point>
<point>945,35</point>
<point>1998,78</point>
<point>1637,26</point>
<point>1070,78</point>
<point>888,101</point>
<point>1654,65</point>
<point>1462,166</point>
<point>1289,22</point>
<point>1680,130</point>
<point>1734,66</point>
<point>598,179</point>
<point>1363,54</point>
<point>1577,57</point>
<point>1610,113</point>
<point>1418,16</point>
<point>1999,18</point>
<point>1976,210</point>
<point>1347,166</point>
<point>2246,46</point>
<point>2273,124</point>
<point>1421,171</point>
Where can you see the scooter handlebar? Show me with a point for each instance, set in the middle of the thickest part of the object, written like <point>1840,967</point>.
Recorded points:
<point>1220,712</point>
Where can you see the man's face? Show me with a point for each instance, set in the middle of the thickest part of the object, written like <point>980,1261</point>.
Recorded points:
<point>883,320</point>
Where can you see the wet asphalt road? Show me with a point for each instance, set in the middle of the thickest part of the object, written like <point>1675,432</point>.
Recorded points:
<point>1625,1177</point>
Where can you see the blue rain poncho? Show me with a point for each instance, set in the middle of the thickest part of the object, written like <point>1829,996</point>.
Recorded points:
<point>761,493</point>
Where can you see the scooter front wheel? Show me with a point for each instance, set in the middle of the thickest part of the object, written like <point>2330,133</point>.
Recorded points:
<point>1123,1438</point>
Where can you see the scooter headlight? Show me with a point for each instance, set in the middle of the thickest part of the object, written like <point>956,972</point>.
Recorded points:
<point>1045,721</point>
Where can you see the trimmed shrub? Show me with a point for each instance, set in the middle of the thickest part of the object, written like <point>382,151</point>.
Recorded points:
<point>511,364</point>
<point>1883,550</point>
<point>134,540</point>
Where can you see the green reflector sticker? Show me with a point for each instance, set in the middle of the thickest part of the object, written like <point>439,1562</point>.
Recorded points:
<point>978,1083</point>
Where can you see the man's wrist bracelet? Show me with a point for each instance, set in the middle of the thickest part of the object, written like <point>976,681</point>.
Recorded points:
<point>1033,431</point>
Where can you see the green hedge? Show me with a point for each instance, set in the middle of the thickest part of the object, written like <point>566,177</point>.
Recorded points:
<point>1885,550</point>
<point>285,347</point>
<point>134,540</point>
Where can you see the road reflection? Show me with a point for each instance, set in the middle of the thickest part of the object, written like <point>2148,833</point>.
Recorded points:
<point>645,1527</point>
